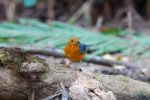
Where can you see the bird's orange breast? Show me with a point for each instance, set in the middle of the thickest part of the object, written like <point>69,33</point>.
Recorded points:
<point>73,53</point>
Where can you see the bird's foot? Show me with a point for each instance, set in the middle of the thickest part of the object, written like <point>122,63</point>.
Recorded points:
<point>66,66</point>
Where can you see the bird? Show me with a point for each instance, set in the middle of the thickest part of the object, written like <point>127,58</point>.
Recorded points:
<point>75,51</point>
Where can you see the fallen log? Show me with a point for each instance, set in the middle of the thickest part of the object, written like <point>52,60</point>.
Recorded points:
<point>24,76</point>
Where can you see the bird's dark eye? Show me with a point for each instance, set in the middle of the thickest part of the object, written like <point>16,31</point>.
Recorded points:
<point>71,40</point>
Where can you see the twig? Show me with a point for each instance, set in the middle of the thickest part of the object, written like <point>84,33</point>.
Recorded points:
<point>65,95</point>
<point>111,63</point>
<point>52,97</point>
<point>81,10</point>
<point>129,21</point>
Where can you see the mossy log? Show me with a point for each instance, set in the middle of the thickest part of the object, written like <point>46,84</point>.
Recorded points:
<point>24,76</point>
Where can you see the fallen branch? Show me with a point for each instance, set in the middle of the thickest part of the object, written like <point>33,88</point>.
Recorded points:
<point>47,52</point>
<point>60,54</point>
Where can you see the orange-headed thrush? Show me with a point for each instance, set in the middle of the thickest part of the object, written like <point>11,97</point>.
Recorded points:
<point>75,51</point>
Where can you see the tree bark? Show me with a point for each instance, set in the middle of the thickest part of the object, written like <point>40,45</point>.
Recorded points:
<point>10,8</point>
<point>51,9</point>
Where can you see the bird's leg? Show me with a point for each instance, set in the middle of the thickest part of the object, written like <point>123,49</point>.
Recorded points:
<point>80,62</point>
<point>68,64</point>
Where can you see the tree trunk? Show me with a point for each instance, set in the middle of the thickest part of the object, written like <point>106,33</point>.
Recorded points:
<point>10,7</point>
<point>51,9</point>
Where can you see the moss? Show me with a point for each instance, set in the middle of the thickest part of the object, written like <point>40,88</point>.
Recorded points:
<point>34,59</point>
<point>2,56</point>
<point>98,76</point>
<point>46,73</point>
<point>124,79</point>
<point>46,70</point>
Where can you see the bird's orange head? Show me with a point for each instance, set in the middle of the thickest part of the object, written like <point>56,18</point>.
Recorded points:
<point>73,41</point>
